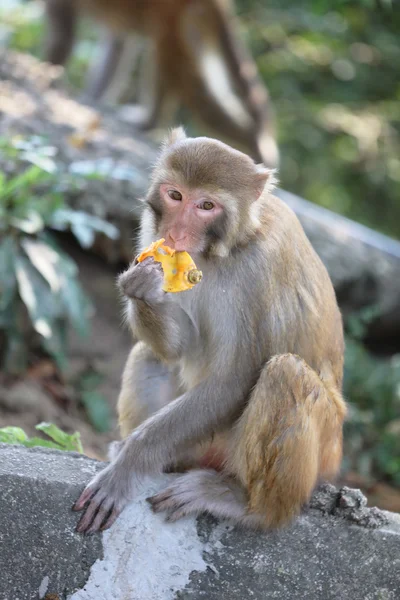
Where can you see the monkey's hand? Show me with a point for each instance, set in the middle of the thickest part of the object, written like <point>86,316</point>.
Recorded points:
<point>143,281</point>
<point>104,499</point>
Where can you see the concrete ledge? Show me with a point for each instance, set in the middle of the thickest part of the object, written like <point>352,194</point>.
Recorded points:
<point>337,549</point>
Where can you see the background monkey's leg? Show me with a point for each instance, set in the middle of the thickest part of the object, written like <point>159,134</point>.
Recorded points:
<point>156,106</point>
<point>121,80</point>
<point>61,19</point>
<point>110,51</point>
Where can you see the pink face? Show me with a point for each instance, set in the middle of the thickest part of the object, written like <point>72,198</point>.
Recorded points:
<point>187,214</point>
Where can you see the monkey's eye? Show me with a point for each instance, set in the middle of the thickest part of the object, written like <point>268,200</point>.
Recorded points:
<point>175,195</point>
<point>207,205</point>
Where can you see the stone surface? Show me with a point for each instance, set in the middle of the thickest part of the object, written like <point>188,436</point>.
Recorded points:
<point>38,544</point>
<point>338,548</point>
<point>363,264</point>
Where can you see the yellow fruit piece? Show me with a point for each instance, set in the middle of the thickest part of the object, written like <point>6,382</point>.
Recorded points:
<point>180,272</point>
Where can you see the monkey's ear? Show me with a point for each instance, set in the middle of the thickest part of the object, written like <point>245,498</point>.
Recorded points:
<point>174,135</point>
<point>265,179</point>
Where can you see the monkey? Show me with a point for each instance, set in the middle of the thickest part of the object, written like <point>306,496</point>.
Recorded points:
<point>236,383</point>
<point>195,59</point>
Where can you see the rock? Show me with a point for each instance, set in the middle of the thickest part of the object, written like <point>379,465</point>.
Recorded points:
<point>364,265</point>
<point>328,553</point>
<point>39,549</point>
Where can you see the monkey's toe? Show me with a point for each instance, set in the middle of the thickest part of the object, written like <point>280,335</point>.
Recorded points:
<point>173,502</point>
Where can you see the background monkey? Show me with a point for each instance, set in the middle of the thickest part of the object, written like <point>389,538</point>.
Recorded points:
<point>194,58</point>
<point>239,379</point>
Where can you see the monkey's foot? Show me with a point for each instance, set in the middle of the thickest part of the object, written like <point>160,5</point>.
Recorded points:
<point>200,491</point>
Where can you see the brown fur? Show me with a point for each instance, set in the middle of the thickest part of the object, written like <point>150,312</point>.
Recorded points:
<point>237,381</point>
<point>281,447</point>
<point>290,434</point>
<point>182,31</point>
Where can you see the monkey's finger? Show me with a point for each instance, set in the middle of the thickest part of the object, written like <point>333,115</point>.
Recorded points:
<point>113,514</point>
<point>101,516</point>
<point>175,515</point>
<point>156,501</point>
<point>88,515</point>
<point>164,495</point>
<point>86,495</point>
<point>164,502</point>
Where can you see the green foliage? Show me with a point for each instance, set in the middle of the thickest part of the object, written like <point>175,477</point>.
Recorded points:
<point>40,292</point>
<point>58,438</point>
<point>333,75</point>
<point>333,72</point>
<point>372,387</point>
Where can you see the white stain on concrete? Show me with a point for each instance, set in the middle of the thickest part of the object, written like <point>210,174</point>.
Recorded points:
<point>144,557</point>
<point>43,587</point>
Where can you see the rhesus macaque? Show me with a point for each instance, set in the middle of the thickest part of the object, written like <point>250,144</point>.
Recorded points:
<point>194,58</point>
<point>237,381</point>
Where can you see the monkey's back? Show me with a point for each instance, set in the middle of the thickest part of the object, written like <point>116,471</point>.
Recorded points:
<point>272,297</point>
<point>300,296</point>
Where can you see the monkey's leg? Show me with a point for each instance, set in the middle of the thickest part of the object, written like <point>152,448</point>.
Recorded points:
<point>204,490</point>
<point>289,435</point>
<point>61,20</point>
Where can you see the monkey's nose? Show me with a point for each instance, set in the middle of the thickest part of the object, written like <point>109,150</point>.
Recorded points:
<point>177,243</point>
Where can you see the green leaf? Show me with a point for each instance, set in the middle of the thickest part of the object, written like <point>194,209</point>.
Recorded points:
<point>25,180</point>
<point>43,306</point>
<point>32,223</point>
<point>45,260</point>
<point>56,345</point>
<point>37,441</point>
<point>67,441</point>
<point>83,225</point>
<point>97,409</point>
<point>3,182</point>
<point>59,439</point>
<point>8,282</point>
<point>74,300</point>
<point>12,435</point>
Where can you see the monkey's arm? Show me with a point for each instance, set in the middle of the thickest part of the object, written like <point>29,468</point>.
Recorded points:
<point>208,407</point>
<point>153,315</point>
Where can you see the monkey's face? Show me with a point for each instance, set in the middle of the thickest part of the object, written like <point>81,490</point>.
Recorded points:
<point>205,196</point>
<point>188,216</point>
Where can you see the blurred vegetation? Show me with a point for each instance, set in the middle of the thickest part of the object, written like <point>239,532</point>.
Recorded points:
<point>333,72</point>
<point>372,388</point>
<point>40,292</point>
<point>55,438</point>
